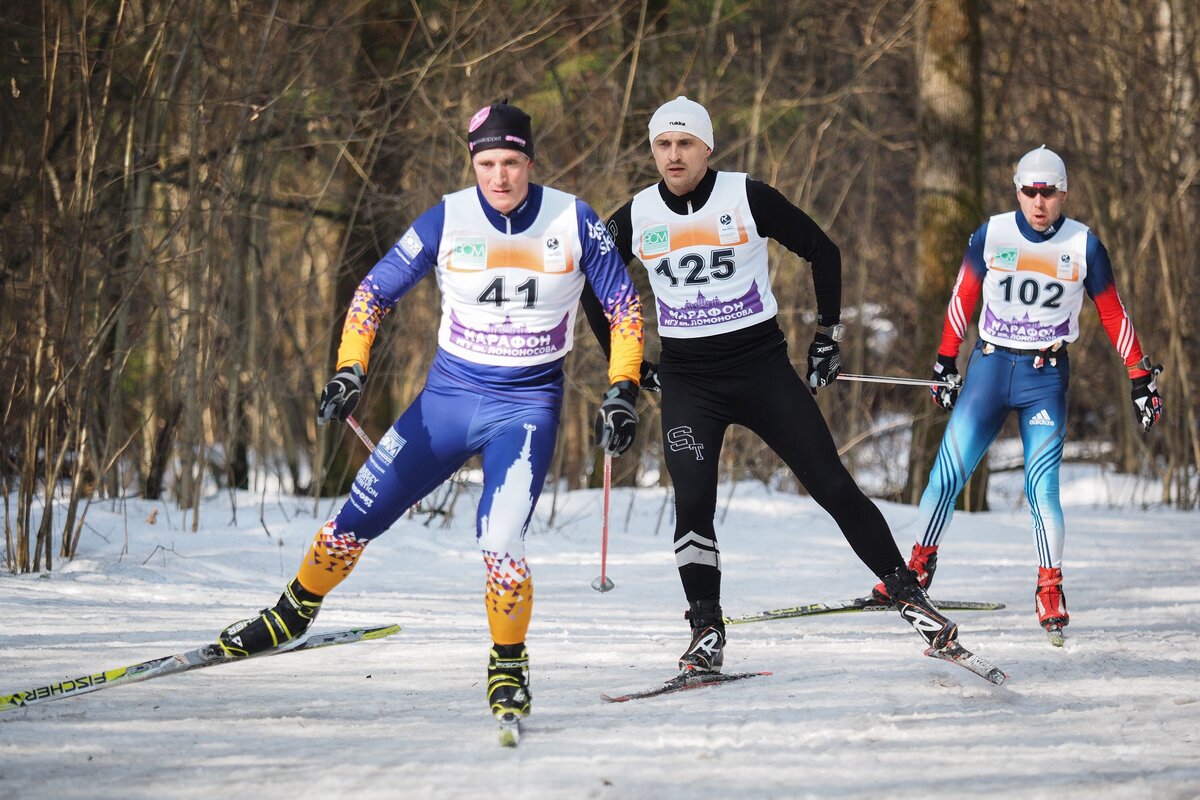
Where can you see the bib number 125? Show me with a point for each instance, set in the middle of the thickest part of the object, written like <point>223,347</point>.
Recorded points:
<point>696,270</point>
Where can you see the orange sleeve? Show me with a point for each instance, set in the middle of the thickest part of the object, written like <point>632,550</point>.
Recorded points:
<point>362,323</point>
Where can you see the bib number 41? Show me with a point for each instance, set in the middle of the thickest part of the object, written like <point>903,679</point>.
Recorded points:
<point>496,295</point>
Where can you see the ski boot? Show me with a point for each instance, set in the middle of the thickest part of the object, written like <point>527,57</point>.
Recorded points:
<point>706,653</point>
<point>291,616</point>
<point>508,680</point>
<point>923,562</point>
<point>916,607</point>
<point>1052,604</point>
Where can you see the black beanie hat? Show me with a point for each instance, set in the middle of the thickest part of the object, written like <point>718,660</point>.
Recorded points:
<point>500,126</point>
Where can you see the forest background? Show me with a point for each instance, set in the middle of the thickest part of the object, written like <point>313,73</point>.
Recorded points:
<point>190,191</point>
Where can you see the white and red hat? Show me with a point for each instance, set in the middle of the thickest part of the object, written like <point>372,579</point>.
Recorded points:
<point>1041,167</point>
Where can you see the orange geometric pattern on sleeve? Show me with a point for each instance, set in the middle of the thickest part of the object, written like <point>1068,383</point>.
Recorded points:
<point>626,340</point>
<point>330,558</point>
<point>508,597</point>
<point>366,311</point>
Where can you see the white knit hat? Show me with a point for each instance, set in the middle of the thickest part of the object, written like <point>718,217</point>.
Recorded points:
<point>685,116</point>
<point>1041,167</point>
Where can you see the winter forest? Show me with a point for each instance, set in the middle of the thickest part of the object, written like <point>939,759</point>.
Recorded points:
<point>191,191</point>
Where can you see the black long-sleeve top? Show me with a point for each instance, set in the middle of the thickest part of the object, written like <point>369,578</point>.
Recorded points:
<point>776,218</point>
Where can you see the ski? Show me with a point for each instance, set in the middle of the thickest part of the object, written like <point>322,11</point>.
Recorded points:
<point>857,604</point>
<point>510,729</point>
<point>955,653</point>
<point>682,682</point>
<point>207,656</point>
<point>1056,636</point>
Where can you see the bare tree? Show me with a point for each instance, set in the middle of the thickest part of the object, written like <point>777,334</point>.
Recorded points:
<point>949,180</point>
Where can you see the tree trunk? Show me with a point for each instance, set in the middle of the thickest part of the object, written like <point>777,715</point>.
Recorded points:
<point>949,182</point>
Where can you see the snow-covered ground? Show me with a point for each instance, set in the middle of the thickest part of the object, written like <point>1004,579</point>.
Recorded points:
<point>853,710</point>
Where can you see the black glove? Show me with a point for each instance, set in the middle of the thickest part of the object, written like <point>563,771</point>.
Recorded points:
<point>945,371</point>
<point>340,396</point>
<point>650,377</point>
<point>1147,405</point>
<point>617,419</point>
<point>824,362</point>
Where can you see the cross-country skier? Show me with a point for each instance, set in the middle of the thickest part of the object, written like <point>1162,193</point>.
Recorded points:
<point>511,258</point>
<point>702,237</point>
<point>1033,267</point>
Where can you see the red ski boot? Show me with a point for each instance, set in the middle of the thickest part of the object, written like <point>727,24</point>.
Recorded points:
<point>1052,604</point>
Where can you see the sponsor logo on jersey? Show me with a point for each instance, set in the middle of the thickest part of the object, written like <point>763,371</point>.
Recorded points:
<point>597,231</point>
<point>1025,329</point>
<point>727,228</point>
<point>554,255</point>
<point>470,252</point>
<point>1006,258</point>
<point>1066,270</point>
<point>411,243</point>
<point>656,240</point>
<point>710,310</point>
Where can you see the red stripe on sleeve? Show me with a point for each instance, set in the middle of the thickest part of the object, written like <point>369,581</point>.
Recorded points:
<point>1120,329</point>
<point>958,314</point>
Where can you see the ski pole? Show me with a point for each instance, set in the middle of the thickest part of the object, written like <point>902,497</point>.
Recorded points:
<point>842,376</point>
<point>604,583</point>
<point>354,426</point>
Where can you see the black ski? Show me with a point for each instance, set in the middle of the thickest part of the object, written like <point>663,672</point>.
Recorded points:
<point>955,653</point>
<point>682,682</point>
<point>857,604</point>
<point>207,656</point>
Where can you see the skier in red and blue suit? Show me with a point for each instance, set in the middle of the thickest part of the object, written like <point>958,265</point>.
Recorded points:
<point>1032,268</point>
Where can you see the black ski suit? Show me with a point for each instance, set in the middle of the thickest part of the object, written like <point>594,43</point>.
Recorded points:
<point>745,377</point>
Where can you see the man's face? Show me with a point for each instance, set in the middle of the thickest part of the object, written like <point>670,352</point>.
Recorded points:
<point>682,160</point>
<point>503,177</point>
<point>1041,211</point>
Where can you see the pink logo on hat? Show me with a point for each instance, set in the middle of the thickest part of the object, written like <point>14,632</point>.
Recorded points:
<point>478,119</point>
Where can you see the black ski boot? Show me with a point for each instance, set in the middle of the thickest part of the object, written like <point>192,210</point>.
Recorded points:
<point>916,607</point>
<point>291,616</point>
<point>508,680</point>
<point>923,563</point>
<point>706,653</point>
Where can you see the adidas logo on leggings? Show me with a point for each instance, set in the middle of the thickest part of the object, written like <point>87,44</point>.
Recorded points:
<point>1041,418</point>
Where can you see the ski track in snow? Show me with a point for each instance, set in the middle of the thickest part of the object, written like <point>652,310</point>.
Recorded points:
<point>853,709</point>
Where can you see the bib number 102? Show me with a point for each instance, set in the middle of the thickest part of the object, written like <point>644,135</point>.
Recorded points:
<point>1029,292</point>
<point>696,270</point>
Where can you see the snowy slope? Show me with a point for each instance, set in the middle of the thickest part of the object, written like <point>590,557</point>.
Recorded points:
<point>853,709</point>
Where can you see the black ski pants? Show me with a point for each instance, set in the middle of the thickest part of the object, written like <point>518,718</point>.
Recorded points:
<point>771,399</point>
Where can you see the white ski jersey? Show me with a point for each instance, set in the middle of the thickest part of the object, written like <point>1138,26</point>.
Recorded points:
<point>709,269</point>
<point>1032,291</point>
<point>481,271</point>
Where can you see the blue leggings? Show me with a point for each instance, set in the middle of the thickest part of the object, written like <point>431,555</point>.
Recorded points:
<point>996,384</point>
<point>443,427</point>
